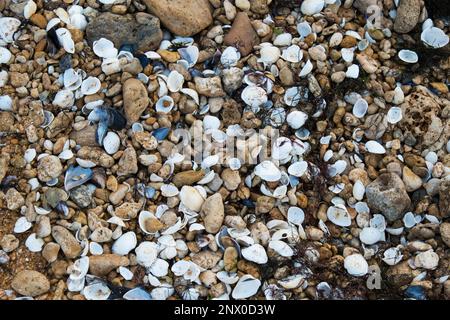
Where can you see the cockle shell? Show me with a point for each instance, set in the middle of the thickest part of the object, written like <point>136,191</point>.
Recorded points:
<point>339,215</point>
<point>104,48</point>
<point>125,243</point>
<point>175,81</point>
<point>90,86</point>
<point>360,108</point>
<point>356,265</point>
<point>268,171</point>
<point>254,96</point>
<point>434,37</point>
<point>311,7</point>
<point>64,99</point>
<point>165,104</point>
<point>292,54</point>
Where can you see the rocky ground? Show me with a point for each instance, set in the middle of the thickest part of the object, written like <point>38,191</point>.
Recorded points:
<point>98,200</point>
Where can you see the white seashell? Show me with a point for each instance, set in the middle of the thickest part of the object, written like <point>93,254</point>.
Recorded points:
<point>394,115</point>
<point>230,57</point>
<point>111,142</point>
<point>189,54</point>
<point>292,97</point>
<point>175,81</point>
<point>8,27</point>
<point>210,161</point>
<point>42,211</point>
<point>392,256</point>
<point>298,169</point>
<point>307,68</point>
<point>107,1</point>
<point>292,54</point>
<point>336,40</point>
<point>282,40</point>
<point>110,66</point>
<point>352,72</point>
<point>395,231</point>
<point>268,171</point>
<point>234,163</point>
<point>434,37</point>
<point>78,21</point>
<point>146,253</point>
<point>408,56</point>
<point>125,244</point>
<point>90,86</point>
<point>296,119</point>
<point>281,247</point>
<point>72,79</point>
<point>160,268</point>
<point>64,99</point>
<point>428,260</point>
<point>5,55</point>
<point>191,198</point>
<point>191,93</point>
<point>374,147</point>
<point>5,103</point>
<point>269,54</point>
<point>52,23</point>
<point>348,54</point>
<point>311,7</point>
<point>34,244</point>
<point>431,157</point>
<point>295,215</point>
<point>254,96</point>
<point>304,29</point>
<point>85,163</point>
<point>356,265</point>
<point>228,278</point>
<point>360,108</point>
<point>104,48</point>
<point>143,217</point>
<point>169,190</point>
<point>353,34</point>
<point>34,183</point>
<point>63,15</point>
<point>207,178</point>
<point>65,39</point>
<point>337,168</point>
<point>339,215</point>
<point>246,287</point>
<point>255,253</point>
<point>165,104</point>
<point>358,190</point>
<point>427,24</point>
<point>29,155</point>
<point>97,291</point>
<point>95,248</point>
<point>126,273</point>
<point>370,235</point>
<point>22,225</point>
<point>281,148</point>
<point>211,122</point>
<point>409,220</point>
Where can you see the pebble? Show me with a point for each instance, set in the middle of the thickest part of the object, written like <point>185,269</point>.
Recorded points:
<point>209,87</point>
<point>135,99</point>
<point>69,245</point>
<point>408,14</point>
<point>49,167</point>
<point>213,213</point>
<point>242,34</point>
<point>30,283</point>
<point>103,264</point>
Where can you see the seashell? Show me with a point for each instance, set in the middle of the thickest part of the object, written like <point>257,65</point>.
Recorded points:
<point>110,66</point>
<point>34,244</point>
<point>191,93</point>
<point>307,68</point>
<point>29,155</point>
<point>22,225</point>
<point>191,198</point>
<point>211,122</point>
<point>42,211</point>
<point>78,21</point>
<point>374,147</point>
<point>65,39</point>
<point>165,104</point>
<point>360,108</point>
<point>282,40</point>
<point>72,79</point>
<point>358,190</point>
<point>111,142</point>
<point>395,231</point>
<point>5,55</point>
<point>408,56</point>
<point>254,96</point>
<point>370,235</point>
<point>85,163</point>
<point>336,40</point>
<point>161,133</point>
<point>434,37</point>
<point>160,268</point>
<point>394,115</point>
<point>90,86</point>
<point>363,44</point>
<point>268,171</point>
<point>282,248</point>
<point>5,103</point>
<point>292,282</point>
<point>246,287</point>
<point>189,54</point>
<point>210,161</point>
<point>298,169</point>
<point>175,81</point>
<point>95,248</point>
<point>146,253</point>
<point>96,291</point>
<point>255,253</point>
<point>348,54</point>
<point>352,72</point>
<point>339,215</point>
<point>64,99</point>
<point>104,48</point>
<point>207,178</point>
<point>136,293</point>
<point>63,15</point>
<point>169,190</point>
<point>281,148</point>
<point>356,265</point>
<point>295,215</point>
<point>409,220</point>
<point>304,29</point>
<point>52,23</point>
<point>125,243</point>
<point>228,278</point>
<point>230,57</point>
<point>337,168</point>
<point>311,7</point>
<point>296,119</point>
<point>269,54</point>
<point>431,157</point>
<point>76,176</point>
<point>292,54</point>
<point>392,256</point>
<point>8,27</point>
<point>353,34</point>
<point>292,97</point>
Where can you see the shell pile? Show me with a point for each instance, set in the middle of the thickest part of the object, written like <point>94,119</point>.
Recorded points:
<point>245,150</point>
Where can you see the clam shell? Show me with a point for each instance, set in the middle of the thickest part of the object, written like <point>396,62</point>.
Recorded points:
<point>104,48</point>
<point>268,171</point>
<point>394,115</point>
<point>370,235</point>
<point>90,86</point>
<point>296,119</point>
<point>255,253</point>
<point>72,79</point>
<point>358,190</point>
<point>95,248</point>
<point>409,220</point>
<point>211,122</point>
<point>408,56</point>
<point>352,72</point>
<point>6,103</point>
<point>22,225</point>
<point>254,96</point>
<point>269,54</point>
<point>65,39</point>
<point>5,55</point>
<point>169,190</point>
<point>292,54</point>
<point>392,256</point>
<point>175,81</point>
<point>230,57</point>
<point>282,248</point>
<point>348,54</point>
<point>283,40</point>
<point>137,293</point>
<point>295,215</point>
<point>304,29</point>
<point>34,244</point>
<point>189,54</point>
<point>339,215</point>
<point>111,142</point>
<point>192,94</point>
<point>191,198</point>
<point>8,26</point>
<point>311,7</point>
<point>78,21</point>
<point>125,244</point>
<point>298,169</point>
<point>434,37</point>
<point>164,104</point>
<point>228,278</point>
<point>360,108</point>
<point>373,146</point>
<point>110,66</point>
<point>64,99</point>
<point>97,291</point>
<point>246,287</point>
<point>146,253</point>
<point>356,265</point>
<point>281,148</point>
<point>76,176</point>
